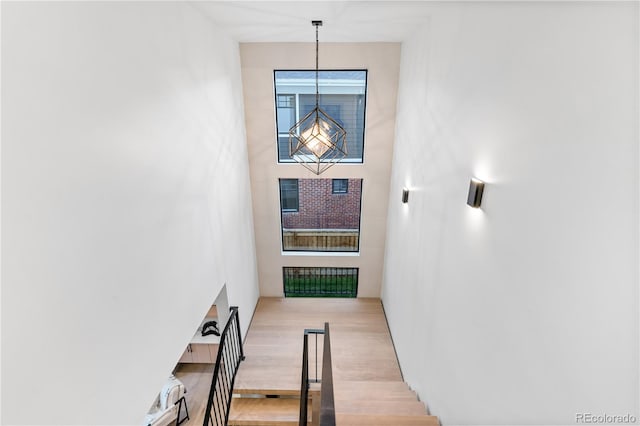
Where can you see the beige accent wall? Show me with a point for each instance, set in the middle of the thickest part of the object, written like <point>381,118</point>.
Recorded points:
<point>258,61</point>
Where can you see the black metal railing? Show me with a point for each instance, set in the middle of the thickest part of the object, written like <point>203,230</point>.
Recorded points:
<point>320,282</point>
<point>327,407</point>
<point>230,354</point>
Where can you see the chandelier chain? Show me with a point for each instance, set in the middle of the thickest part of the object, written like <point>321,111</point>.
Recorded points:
<point>317,90</point>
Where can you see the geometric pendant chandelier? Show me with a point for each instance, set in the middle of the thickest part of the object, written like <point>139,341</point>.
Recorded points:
<point>317,141</point>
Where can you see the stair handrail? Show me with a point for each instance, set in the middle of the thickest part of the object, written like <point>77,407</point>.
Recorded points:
<point>327,407</point>
<point>327,403</point>
<point>230,354</point>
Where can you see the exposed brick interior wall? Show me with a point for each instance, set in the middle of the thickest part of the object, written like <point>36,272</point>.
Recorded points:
<point>320,209</point>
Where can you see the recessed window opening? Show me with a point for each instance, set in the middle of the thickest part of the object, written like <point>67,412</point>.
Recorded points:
<point>342,96</point>
<point>340,186</point>
<point>289,196</point>
<point>320,282</point>
<point>315,219</point>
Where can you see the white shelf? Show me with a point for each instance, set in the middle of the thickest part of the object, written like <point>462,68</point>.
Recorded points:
<point>210,339</point>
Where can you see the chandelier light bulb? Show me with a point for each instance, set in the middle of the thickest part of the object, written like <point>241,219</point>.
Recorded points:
<point>316,139</point>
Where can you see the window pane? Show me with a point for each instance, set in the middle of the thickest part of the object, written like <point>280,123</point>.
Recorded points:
<point>340,186</point>
<point>286,113</point>
<point>320,221</point>
<point>289,194</point>
<point>283,146</point>
<point>320,282</point>
<point>342,96</point>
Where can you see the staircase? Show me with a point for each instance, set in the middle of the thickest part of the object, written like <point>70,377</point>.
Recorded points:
<point>357,403</point>
<point>368,386</point>
<point>379,403</point>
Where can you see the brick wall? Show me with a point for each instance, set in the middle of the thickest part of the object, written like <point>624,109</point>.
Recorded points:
<point>320,209</point>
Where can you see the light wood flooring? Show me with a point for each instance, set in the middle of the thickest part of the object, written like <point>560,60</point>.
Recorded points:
<point>361,345</point>
<point>368,384</point>
<point>197,380</point>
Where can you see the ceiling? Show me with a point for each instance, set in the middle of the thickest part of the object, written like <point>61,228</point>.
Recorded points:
<point>344,21</point>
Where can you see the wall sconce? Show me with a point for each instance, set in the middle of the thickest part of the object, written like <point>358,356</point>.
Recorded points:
<point>476,187</point>
<point>405,195</point>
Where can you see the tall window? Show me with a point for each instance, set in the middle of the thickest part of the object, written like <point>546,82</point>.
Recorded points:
<point>289,196</point>
<point>342,96</point>
<point>315,219</point>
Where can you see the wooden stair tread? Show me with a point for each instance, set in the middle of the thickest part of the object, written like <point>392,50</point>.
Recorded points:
<point>379,384</point>
<point>373,390</point>
<point>269,375</point>
<point>265,384</point>
<point>390,420</point>
<point>267,391</point>
<point>264,411</point>
<point>381,407</point>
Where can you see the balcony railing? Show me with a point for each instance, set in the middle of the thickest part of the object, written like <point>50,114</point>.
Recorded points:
<point>320,282</point>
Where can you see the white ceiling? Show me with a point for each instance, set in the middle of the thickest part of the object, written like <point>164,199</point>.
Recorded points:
<point>344,21</point>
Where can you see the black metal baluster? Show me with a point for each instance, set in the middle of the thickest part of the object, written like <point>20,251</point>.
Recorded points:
<point>304,385</point>
<point>218,412</point>
<point>334,281</point>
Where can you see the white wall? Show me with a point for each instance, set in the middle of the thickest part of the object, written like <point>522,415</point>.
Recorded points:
<point>525,311</point>
<point>125,202</point>
<point>382,60</point>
